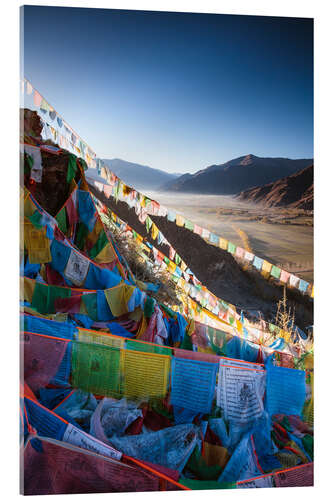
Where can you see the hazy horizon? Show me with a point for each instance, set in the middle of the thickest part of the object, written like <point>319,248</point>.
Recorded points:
<point>202,168</point>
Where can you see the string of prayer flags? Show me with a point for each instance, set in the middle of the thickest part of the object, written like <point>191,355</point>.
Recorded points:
<point>145,375</point>
<point>193,384</point>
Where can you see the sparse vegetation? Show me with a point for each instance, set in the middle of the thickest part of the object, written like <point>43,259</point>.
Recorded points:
<point>142,269</point>
<point>285,316</point>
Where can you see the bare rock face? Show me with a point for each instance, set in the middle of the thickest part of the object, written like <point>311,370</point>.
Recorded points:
<point>54,189</point>
<point>294,191</point>
<point>31,126</point>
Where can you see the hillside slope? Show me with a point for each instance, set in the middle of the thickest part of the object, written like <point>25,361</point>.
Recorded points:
<point>216,267</point>
<point>237,175</point>
<point>294,191</point>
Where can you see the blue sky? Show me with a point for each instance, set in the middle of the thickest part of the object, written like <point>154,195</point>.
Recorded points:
<point>175,91</point>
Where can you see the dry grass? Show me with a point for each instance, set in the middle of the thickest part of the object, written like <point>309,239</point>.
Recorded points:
<point>143,269</point>
<point>285,316</point>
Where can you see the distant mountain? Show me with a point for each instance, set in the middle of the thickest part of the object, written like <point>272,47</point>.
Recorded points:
<point>237,175</point>
<point>294,191</point>
<point>139,176</point>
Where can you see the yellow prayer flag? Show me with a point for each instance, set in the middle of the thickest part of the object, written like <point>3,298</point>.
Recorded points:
<point>27,288</point>
<point>172,267</point>
<point>308,362</point>
<point>94,235</point>
<point>118,297</point>
<point>183,266</point>
<point>239,326</point>
<point>190,327</point>
<point>145,374</point>
<point>180,221</point>
<point>106,255</point>
<point>37,244</point>
<point>154,231</point>
<point>266,267</point>
<point>223,243</point>
<point>139,238</point>
<point>142,328</point>
<point>215,455</point>
<point>29,207</point>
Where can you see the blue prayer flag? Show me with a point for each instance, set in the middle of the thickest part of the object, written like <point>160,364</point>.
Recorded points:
<point>285,390</point>
<point>193,384</point>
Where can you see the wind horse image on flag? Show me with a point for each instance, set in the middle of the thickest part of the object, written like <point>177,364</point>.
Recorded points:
<point>166,319</point>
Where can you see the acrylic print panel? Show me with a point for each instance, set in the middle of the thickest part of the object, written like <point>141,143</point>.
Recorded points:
<point>166,262</point>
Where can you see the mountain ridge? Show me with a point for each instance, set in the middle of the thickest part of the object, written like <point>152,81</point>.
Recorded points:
<point>137,175</point>
<point>294,191</point>
<point>237,175</point>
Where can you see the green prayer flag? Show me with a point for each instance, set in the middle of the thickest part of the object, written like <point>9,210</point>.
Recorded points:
<point>81,234</point>
<point>149,223</point>
<point>148,309</point>
<point>90,301</point>
<point>133,345</point>
<point>96,368</point>
<point>35,218</point>
<point>231,247</point>
<point>189,225</point>
<point>61,218</point>
<point>101,242</point>
<point>194,484</point>
<point>28,163</point>
<point>186,343</point>
<point>44,296</point>
<point>177,259</point>
<point>275,271</point>
<point>197,465</point>
<point>71,168</point>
